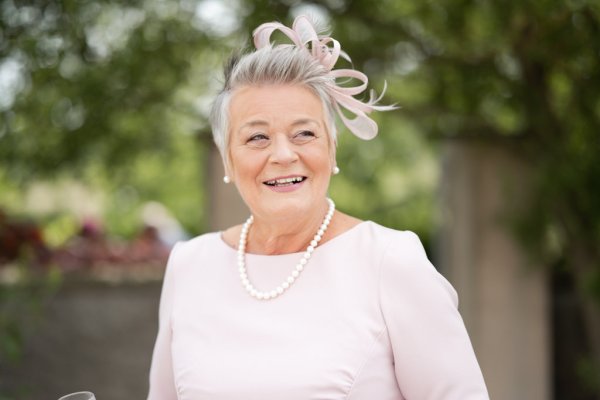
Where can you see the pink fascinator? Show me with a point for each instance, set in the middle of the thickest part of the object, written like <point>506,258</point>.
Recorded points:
<point>326,51</point>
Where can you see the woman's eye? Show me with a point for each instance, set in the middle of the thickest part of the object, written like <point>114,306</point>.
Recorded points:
<point>304,135</point>
<point>257,137</point>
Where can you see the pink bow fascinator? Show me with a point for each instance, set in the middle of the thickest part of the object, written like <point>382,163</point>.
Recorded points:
<point>326,51</point>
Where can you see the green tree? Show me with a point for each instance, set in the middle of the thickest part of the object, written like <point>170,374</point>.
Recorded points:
<point>97,80</point>
<point>97,86</point>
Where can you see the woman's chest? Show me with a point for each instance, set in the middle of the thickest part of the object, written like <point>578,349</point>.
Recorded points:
<point>264,350</point>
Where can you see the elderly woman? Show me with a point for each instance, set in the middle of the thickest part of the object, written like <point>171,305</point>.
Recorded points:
<point>303,301</point>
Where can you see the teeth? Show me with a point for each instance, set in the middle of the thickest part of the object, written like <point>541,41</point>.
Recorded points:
<point>285,181</point>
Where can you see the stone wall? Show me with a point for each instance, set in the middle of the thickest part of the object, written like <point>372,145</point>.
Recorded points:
<point>95,336</point>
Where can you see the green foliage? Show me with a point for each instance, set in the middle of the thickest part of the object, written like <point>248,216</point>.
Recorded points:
<point>99,81</point>
<point>99,94</point>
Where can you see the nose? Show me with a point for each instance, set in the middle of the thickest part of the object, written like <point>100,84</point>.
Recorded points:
<point>283,151</point>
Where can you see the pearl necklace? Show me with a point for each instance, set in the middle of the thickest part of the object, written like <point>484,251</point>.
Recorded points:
<point>295,273</point>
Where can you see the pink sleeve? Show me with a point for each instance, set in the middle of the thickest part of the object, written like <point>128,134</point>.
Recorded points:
<point>162,384</point>
<point>433,356</point>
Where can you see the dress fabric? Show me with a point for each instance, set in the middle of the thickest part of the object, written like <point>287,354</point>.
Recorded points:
<point>369,318</point>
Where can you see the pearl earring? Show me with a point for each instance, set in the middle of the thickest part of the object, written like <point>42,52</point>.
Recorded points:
<point>336,170</point>
<point>226,179</point>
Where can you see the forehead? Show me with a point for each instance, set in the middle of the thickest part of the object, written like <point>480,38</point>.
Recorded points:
<point>274,104</point>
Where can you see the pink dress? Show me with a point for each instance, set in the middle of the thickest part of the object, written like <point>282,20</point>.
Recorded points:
<point>369,318</point>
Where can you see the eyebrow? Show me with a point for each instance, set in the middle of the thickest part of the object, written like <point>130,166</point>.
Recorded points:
<point>303,121</point>
<point>260,122</point>
<point>254,123</point>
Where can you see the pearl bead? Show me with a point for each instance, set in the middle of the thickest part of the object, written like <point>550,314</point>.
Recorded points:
<point>297,270</point>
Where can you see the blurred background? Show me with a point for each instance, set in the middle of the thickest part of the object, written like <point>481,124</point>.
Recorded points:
<point>106,160</point>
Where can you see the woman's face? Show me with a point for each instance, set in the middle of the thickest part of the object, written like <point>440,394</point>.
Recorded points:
<point>280,153</point>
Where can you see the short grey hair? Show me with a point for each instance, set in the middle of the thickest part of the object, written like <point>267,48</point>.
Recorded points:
<point>282,64</point>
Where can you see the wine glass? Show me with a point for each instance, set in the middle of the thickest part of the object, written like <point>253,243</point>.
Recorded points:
<point>79,396</point>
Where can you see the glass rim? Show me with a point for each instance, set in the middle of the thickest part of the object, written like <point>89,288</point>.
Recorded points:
<point>67,396</point>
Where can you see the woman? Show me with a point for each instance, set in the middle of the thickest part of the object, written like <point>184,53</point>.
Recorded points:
<point>303,301</point>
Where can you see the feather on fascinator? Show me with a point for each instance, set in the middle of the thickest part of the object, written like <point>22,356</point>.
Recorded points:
<point>326,50</point>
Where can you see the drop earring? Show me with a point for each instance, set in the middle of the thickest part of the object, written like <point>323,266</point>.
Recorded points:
<point>336,170</point>
<point>226,179</point>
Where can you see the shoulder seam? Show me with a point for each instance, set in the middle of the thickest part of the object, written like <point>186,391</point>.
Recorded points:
<point>173,282</point>
<point>379,277</point>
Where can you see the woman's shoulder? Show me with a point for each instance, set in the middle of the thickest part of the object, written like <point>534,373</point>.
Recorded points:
<point>187,248</point>
<point>404,242</point>
<point>405,264</point>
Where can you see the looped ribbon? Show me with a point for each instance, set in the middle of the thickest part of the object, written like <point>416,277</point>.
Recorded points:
<point>327,51</point>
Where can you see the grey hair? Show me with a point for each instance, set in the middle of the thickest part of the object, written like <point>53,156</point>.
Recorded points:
<point>282,64</point>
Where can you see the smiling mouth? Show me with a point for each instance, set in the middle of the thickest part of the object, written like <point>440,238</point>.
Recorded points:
<point>285,181</point>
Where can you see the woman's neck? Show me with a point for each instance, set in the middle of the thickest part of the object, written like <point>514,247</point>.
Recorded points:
<point>285,235</point>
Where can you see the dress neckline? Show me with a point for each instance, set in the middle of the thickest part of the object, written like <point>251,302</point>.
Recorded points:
<point>331,241</point>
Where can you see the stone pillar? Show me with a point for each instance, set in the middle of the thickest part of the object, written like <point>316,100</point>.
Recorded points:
<point>504,298</point>
<point>225,207</point>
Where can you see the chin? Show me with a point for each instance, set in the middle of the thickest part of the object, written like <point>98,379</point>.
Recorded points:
<point>289,206</point>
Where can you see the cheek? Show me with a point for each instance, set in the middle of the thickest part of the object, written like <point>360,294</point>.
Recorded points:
<point>245,165</point>
<point>321,162</point>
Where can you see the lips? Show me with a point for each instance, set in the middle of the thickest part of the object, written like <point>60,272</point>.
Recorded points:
<point>286,181</point>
